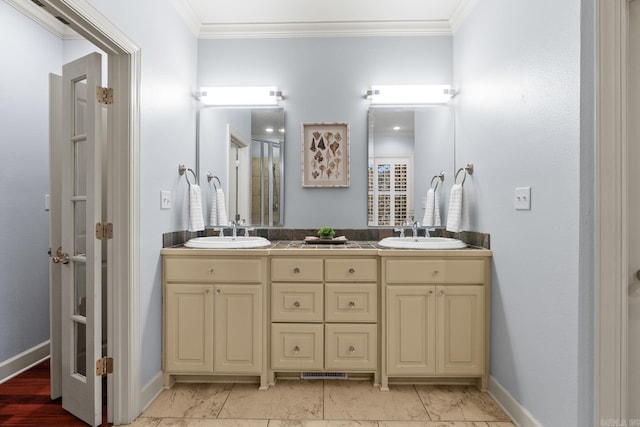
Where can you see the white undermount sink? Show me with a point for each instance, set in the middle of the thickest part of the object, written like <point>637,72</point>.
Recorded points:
<point>421,243</point>
<point>227,242</point>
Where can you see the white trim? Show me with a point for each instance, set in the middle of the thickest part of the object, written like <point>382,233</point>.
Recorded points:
<point>187,14</point>
<point>518,413</point>
<point>151,391</point>
<point>325,29</point>
<point>23,361</point>
<point>44,19</point>
<point>461,13</point>
<point>123,201</point>
<point>611,210</point>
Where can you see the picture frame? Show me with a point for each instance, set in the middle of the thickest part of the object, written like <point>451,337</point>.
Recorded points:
<point>325,155</point>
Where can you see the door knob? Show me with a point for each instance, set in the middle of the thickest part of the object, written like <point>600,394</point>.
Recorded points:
<point>61,257</point>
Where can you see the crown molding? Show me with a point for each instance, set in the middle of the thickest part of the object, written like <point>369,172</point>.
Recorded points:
<point>188,15</point>
<point>461,13</point>
<point>45,19</point>
<point>325,29</point>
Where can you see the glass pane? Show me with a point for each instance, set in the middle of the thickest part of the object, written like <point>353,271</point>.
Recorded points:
<point>80,289</point>
<point>370,178</point>
<point>80,226</point>
<point>384,210</point>
<point>370,209</point>
<point>384,177</point>
<point>400,177</point>
<point>80,110</point>
<point>80,348</point>
<point>80,169</point>
<point>400,208</point>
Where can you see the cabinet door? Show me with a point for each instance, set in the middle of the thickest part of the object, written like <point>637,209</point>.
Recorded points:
<point>461,337</point>
<point>410,330</point>
<point>238,329</point>
<point>189,328</point>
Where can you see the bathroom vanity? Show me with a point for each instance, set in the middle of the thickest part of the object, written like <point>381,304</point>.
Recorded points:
<point>392,315</point>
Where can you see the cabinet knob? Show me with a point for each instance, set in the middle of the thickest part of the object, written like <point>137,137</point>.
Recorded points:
<point>436,272</point>
<point>296,304</point>
<point>211,270</point>
<point>441,291</point>
<point>296,349</point>
<point>351,349</point>
<point>352,304</point>
<point>296,270</point>
<point>430,292</point>
<point>352,270</point>
<point>217,291</point>
<point>207,291</point>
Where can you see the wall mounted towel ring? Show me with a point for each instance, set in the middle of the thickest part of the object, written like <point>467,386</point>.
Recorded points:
<point>467,170</point>
<point>182,169</point>
<point>438,178</point>
<point>210,177</point>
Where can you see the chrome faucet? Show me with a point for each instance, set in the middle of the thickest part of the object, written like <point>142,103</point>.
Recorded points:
<point>234,230</point>
<point>414,229</point>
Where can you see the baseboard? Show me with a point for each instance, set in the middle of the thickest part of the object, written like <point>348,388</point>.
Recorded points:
<point>23,361</point>
<point>150,391</point>
<point>518,413</point>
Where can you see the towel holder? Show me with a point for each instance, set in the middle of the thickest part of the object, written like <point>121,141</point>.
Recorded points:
<point>468,170</point>
<point>182,170</point>
<point>438,178</point>
<point>210,177</point>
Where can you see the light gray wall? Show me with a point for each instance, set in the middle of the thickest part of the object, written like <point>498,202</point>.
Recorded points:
<point>324,80</point>
<point>517,65</point>
<point>24,179</point>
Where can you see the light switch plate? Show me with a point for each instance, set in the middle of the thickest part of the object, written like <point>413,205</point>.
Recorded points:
<point>165,200</point>
<point>522,199</point>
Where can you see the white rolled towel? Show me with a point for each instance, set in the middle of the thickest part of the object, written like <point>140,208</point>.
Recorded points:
<point>432,210</point>
<point>454,215</point>
<point>196,220</point>
<point>221,208</point>
<point>213,210</point>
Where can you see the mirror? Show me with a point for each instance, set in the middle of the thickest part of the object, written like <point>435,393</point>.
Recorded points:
<point>244,148</point>
<point>407,147</point>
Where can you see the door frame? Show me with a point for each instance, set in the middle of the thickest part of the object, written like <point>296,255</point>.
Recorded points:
<point>611,209</point>
<point>123,200</point>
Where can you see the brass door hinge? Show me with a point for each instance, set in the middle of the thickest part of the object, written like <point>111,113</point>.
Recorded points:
<point>104,366</point>
<point>104,95</point>
<point>104,230</point>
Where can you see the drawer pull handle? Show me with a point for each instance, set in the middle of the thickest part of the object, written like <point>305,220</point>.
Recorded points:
<point>296,349</point>
<point>211,270</point>
<point>296,270</point>
<point>352,304</point>
<point>352,349</point>
<point>352,270</point>
<point>217,291</point>
<point>296,304</point>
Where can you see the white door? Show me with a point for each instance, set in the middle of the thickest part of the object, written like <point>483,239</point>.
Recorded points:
<point>633,357</point>
<point>81,253</point>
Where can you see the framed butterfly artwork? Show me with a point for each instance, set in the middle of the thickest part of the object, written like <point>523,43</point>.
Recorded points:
<point>325,154</point>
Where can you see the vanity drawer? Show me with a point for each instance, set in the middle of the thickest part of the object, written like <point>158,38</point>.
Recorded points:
<point>351,302</point>
<point>351,347</point>
<point>296,302</point>
<point>296,346</point>
<point>231,270</point>
<point>351,270</point>
<point>296,270</point>
<point>434,271</point>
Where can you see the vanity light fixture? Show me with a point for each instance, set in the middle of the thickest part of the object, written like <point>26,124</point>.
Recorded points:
<point>239,96</point>
<point>409,94</point>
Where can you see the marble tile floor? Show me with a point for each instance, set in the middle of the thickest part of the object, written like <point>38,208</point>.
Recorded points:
<point>319,403</point>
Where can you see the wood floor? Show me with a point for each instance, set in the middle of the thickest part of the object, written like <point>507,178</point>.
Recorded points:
<point>25,401</point>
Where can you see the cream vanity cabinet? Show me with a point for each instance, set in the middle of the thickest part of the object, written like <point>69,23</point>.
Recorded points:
<point>436,311</point>
<point>214,314</point>
<point>324,314</point>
